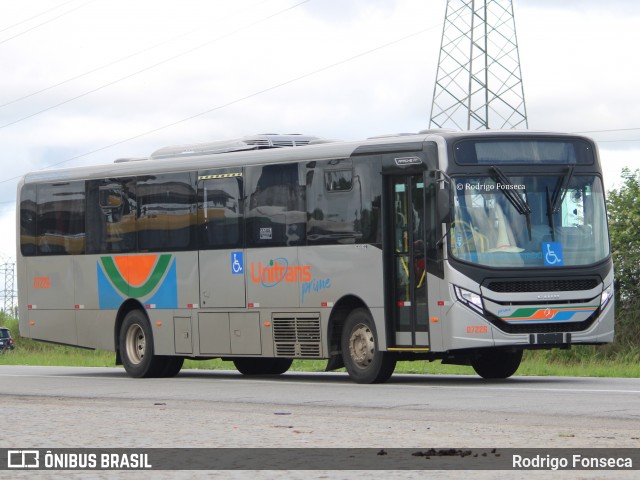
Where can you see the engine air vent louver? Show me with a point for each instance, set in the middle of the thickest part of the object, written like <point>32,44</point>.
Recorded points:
<point>297,335</point>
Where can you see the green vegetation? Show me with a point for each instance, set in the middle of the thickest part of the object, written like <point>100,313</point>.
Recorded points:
<point>30,352</point>
<point>623,206</point>
<point>578,362</point>
<point>619,359</point>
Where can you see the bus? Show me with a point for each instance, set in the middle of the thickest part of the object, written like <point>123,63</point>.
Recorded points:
<point>462,247</point>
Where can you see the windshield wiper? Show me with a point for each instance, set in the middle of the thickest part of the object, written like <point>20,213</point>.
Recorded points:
<point>561,187</point>
<point>550,216</point>
<point>555,201</point>
<point>521,206</point>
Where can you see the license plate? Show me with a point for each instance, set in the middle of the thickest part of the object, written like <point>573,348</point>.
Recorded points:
<point>550,338</point>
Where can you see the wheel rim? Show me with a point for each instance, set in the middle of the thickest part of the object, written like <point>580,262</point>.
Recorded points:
<point>136,344</point>
<point>362,346</point>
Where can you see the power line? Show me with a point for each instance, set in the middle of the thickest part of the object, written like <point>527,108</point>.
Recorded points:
<point>35,16</point>
<point>106,65</point>
<point>233,102</point>
<point>610,130</point>
<point>48,21</point>
<point>102,67</point>
<point>613,130</point>
<point>614,141</point>
<point>185,52</point>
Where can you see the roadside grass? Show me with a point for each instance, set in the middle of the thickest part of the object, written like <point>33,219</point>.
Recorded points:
<point>581,361</point>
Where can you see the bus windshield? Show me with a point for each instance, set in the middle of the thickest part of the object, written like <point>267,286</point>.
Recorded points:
<point>529,220</point>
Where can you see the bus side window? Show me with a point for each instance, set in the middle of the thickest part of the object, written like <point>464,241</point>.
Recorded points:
<point>111,216</point>
<point>276,206</point>
<point>28,220</point>
<point>220,213</point>
<point>60,218</point>
<point>166,211</point>
<point>343,201</point>
<point>332,203</point>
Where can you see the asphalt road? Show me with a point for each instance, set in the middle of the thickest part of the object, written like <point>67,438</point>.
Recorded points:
<point>63,407</point>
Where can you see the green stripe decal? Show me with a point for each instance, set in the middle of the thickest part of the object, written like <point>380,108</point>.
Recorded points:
<point>143,290</point>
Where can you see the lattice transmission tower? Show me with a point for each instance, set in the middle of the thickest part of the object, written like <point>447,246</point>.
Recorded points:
<point>8,294</point>
<point>479,83</point>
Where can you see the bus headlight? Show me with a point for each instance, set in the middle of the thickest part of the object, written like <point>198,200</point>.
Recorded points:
<point>606,296</point>
<point>470,299</point>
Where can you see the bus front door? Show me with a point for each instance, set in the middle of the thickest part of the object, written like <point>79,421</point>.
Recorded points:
<point>407,300</point>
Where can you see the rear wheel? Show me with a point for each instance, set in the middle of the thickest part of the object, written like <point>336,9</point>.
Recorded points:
<point>136,347</point>
<point>362,358</point>
<point>496,364</point>
<point>262,366</point>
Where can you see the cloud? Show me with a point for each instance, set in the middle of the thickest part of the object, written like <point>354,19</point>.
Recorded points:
<point>237,60</point>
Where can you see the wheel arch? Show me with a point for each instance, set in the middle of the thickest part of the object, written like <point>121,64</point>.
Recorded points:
<point>337,318</point>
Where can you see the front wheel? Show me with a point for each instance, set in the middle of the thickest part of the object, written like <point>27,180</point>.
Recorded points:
<point>362,357</point>
<point>496,364</point>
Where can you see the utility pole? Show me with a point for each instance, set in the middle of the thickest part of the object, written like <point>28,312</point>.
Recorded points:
<point>479,83</point>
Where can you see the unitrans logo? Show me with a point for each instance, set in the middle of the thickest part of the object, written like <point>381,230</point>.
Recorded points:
<point>149,278</point>
<point>279,271</point>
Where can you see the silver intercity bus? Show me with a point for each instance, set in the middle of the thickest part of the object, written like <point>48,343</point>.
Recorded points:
<point>464,247</point>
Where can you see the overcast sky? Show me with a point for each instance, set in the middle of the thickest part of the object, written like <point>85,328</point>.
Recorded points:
<point>88,81</point>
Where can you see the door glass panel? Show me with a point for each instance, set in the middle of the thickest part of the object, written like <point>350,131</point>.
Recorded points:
<point>402,263</point>
<point>418,243</point>
<point>403,294</point>
<point>410,294</point>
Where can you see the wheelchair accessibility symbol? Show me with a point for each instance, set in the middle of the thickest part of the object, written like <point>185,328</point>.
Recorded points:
<point>552,254</point>
<point>237,263</point>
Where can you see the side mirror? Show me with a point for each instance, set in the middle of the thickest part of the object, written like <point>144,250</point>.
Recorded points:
<point>444,205</point>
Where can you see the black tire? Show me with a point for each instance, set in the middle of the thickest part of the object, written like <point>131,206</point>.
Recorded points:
<point>496,364</point>
<point>364,362</point>
<point>172,366</point>
<point>136,347</point>
<point>262,366</point>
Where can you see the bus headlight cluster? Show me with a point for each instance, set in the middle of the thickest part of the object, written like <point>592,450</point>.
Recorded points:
<point>470,299</point>
<point>606,296</point>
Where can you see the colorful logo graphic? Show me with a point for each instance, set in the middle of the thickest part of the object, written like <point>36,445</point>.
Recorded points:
<point>149,278</point>
<point>555,314</point>
<point>278,271</point>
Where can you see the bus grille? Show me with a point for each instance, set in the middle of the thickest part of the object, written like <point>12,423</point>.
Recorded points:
<point>297,335</point>
<point>542,285</point>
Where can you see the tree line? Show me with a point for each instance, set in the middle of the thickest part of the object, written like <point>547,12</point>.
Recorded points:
<point>623,209</point>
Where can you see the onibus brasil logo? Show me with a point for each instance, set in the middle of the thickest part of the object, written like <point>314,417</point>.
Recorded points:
<point>149,278</point>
